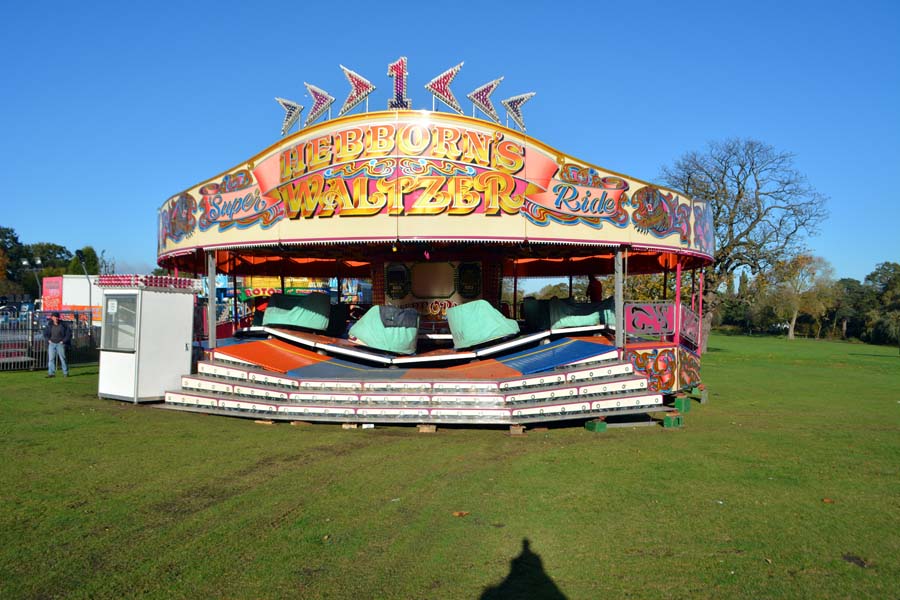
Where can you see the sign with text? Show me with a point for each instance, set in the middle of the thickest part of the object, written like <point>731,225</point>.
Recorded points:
<point>425,176</point>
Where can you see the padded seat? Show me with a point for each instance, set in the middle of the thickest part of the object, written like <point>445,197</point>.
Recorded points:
<point>561,314</point>
<point>309,311</point>
<point>477,322</point>
<point>565,313</point>
<point>387,328</point>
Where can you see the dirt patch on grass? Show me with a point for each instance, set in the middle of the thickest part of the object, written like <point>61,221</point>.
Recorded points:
<point>202,497</point>
<point>856,560</point>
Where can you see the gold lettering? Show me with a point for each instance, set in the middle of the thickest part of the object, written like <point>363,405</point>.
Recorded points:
<point>348,144</point>
<point>465,198</point>
<point>287,162</point>
<point>477,148</point>
<point>413,140</point>
<point>320,152</point>
<point>380,140</point>
<point>301,197</point>
<point>292,163</point>
<point>336,195</point>
<point>509,156</point>
<point>401,186</point>
<point>363,207</point>
<point>431,201</point>
<point>497,188</point>
<point>446,142</point>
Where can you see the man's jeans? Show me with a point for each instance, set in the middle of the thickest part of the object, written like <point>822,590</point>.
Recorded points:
<point>54,350</point>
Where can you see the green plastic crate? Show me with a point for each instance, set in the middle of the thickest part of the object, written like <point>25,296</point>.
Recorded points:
<point>683,404</point>
<point>670,421</point>
<point>595,426</point>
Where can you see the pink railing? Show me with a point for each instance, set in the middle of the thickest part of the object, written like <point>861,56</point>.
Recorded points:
<point>690,325</point>
<point>655,319</point>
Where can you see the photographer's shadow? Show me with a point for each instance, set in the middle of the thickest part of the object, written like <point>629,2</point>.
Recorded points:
<point>526,579</point>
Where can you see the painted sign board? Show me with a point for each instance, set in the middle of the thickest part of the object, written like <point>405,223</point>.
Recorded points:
<point>419,175</point>
<point>70,293</point>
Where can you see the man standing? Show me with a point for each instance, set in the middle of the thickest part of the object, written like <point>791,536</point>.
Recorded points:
<point>58,334</point>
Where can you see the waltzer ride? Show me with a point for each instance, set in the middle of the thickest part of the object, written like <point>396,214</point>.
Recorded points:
<point>439,211</point>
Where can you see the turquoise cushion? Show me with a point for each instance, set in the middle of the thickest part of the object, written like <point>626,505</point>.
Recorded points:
<point>478,322</point>
<point>577,321</point>
<point>564,314</point>
<point>370,331</point>
<point>309,311</point>
<point>608,311</point>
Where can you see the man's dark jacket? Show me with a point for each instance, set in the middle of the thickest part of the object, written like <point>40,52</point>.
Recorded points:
<point>67,331</point>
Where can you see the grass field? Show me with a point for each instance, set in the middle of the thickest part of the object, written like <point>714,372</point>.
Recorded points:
<point>786,484</point>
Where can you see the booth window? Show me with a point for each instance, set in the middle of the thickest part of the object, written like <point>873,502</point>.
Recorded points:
<point>119,322</point>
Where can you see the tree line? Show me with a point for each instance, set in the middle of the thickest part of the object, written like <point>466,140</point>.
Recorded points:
<point>801,297</point>
<point>22,265</point>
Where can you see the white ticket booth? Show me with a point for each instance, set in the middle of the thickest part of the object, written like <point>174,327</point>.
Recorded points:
<point>146,336</point>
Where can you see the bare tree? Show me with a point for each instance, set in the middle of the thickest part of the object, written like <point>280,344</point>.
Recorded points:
<point>763,207</point>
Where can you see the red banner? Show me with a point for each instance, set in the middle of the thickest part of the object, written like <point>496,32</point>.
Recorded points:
<point>51,298</point>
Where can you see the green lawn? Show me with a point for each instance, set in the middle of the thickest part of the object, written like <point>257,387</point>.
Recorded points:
<point>103,499</point>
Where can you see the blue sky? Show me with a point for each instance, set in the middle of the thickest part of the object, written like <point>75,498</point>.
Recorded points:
<point>108,109</point>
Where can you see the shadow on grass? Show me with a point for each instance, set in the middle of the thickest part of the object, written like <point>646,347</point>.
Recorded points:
<point>893,356</point>
<point>526,579</point>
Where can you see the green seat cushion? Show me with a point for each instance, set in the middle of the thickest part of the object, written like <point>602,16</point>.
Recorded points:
<point>564,313</point>
<point>309,311</point>
<point>478,322</point>
<point>607,310</point>
<point>370,331</point>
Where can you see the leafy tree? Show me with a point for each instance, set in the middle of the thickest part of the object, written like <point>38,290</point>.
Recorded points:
<point>853,301</point>
<point>744,285</point>
<point>91,262</point>
<point>561,290</point>
<point>506,290</point>
<point>885,277</point>
<point>762,207</point>
<point>7,287</point>
<point>801,284</point>
<point>736,308</point>
<point>14,251</point>
<point>883,324</point>
<point>51,255</point>
<point>819,300</point>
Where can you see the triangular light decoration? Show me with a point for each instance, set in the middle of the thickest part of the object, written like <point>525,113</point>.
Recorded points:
<point>514,107</point>
<point>321,101</point>
<point>481,97</point>
<point>292,112</point>
<point>440,87</point>
<point>360,88</point>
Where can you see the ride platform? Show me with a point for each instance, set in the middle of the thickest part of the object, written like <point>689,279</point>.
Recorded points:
<point>299,376</point>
